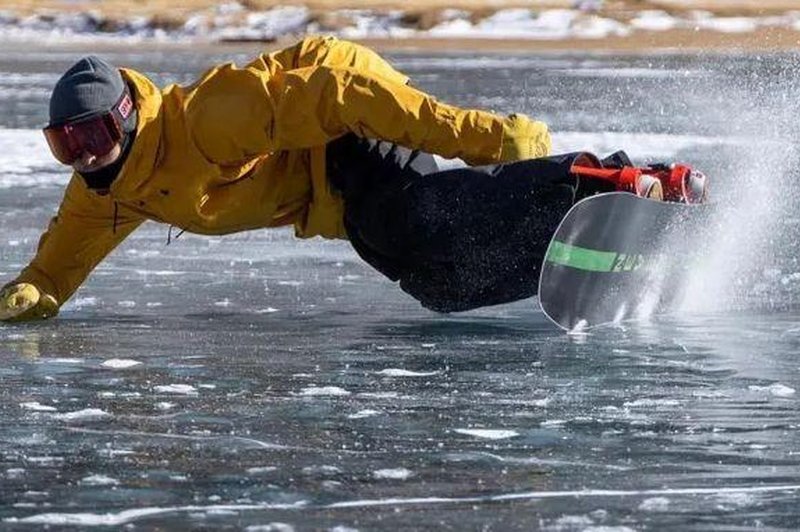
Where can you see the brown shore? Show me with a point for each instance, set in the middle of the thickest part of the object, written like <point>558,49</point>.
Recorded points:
<point>761,40</point>
<point>767,39</point>
<point>672,41</point>
<point>608,7</point>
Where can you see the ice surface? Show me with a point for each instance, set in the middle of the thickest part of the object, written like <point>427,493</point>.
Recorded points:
<point>290,414</point>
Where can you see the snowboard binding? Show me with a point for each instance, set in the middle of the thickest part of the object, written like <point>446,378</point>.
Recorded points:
<point>675,182</point>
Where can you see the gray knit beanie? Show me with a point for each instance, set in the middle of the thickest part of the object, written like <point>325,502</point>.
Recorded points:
<point>90,86</point>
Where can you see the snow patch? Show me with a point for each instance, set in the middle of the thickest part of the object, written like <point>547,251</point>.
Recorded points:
<point>26,160</point>
<point>654,20</point>
<point>129,516</point>
<point>323,391</point>
<point>488,434</point>
<point>260,470</point>
<point>99,480</point>
<point>38,407</point>
<point>183,389</point>
<point>728,24</point>
<point>14,473</point>
<point>82,415</point>
<point>276,22</point>
<point>646,403</point>
<point>777,389</point>
<point>81,302</point>
<point>399,473</point>
<point>364,413</point>
<point>380,395</point>
<point>396,372</point>
<point>322,470</point>
<point>270,527</point>
<point>120,363</point>
<point>655,504</point>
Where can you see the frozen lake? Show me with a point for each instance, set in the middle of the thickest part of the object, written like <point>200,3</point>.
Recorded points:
<point>259,382</point>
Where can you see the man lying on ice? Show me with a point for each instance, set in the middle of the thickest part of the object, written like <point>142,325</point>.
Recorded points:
<point>325,136</point>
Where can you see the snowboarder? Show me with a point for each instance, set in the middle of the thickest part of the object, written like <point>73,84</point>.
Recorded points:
<point>325,136</point>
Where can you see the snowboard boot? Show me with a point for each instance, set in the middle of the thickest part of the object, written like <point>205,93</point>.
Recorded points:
<point>681,183</point>
<point>648,186</point>
<point>625,179</point>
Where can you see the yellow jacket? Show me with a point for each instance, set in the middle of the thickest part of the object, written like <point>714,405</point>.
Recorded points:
<point>244,148</point>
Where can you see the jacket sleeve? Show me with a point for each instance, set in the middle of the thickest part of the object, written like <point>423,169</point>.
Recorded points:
<point>329,52</point>
<point>85,229</point>
<point>317,104</point>
<point>235,114</point>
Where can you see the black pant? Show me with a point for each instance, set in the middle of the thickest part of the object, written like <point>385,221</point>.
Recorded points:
<point>455,239</point>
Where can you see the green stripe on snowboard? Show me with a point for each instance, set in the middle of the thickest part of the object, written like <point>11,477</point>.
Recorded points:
<point>581,258</point>
<point>592,260</point>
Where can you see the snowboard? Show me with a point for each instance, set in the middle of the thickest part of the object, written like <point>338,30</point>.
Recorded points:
<point>617,256</point>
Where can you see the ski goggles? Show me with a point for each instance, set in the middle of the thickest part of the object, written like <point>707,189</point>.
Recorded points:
<point>97,134</point>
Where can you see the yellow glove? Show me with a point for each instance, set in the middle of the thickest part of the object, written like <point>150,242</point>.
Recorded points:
<point>23,302</point>
<point>524,138</point>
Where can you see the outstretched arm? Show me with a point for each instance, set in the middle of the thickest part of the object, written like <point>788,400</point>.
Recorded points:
<point>234,114</point>
<point>87,227</point>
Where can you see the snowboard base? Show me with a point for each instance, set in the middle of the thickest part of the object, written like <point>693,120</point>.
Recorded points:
<point>616,256</point>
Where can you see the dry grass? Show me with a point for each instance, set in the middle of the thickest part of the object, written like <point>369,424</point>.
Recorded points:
<point>426,13</point>
<point>761,40</point>
<point>176,10</point>
<point>153,7</point>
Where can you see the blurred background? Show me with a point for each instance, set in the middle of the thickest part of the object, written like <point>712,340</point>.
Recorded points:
<point>573,24</point>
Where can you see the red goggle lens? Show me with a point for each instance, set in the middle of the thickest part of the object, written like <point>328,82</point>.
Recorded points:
<point>96,135</point>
